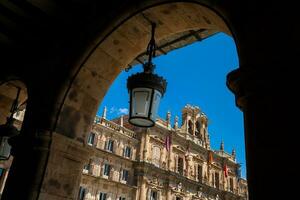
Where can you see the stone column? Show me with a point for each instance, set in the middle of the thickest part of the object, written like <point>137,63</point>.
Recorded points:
<point>262,98</point>
<point>143,189</point>
<point>169,193</point>
<point>170,157</point>
<point>146,145</point>
<point>30,158</point>
<point>53,167</point>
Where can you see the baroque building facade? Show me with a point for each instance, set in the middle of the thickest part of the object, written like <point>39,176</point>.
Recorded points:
<point>163,162</point>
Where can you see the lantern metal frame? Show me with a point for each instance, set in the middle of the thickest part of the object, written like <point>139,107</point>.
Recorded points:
<point>148,80</point>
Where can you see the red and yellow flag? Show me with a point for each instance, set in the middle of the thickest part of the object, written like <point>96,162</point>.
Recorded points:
<point>225,169</point>
<point>210,157</point>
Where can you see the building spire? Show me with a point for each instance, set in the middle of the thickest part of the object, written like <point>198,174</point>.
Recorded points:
<point>104,112</point>
<point>176,122</point>
<point>233,153</point>
<point>222,146</point>
<point>121,121</point>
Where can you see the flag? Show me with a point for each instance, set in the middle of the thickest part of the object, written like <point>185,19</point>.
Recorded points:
<point>210,157</point>
<point>168,142</point>
<point>225,169</point>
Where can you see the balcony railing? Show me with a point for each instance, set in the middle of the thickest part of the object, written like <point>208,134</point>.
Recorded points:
<point>116,127</point>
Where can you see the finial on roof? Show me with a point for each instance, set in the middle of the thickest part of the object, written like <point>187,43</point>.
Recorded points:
<point>104,112</point>
<point>121,121</point>
<point>222,146</point>
<point>168,117</point>
<point>176,122</point>
<point>233,153</point>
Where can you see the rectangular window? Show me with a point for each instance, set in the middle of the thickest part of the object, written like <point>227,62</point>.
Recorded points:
<point>153,195</point>
<point>178,198</point>
<point>125,174</point>
<point>231,184</point>
<point>199,175</point>
<point>81,193</point>
<point>180,166</point>
<point>102,196</point>
<point>122,198</point>
<point>106,170</point>
<point>91,139</point>
<point>110,145</point>
<point>127,152</point>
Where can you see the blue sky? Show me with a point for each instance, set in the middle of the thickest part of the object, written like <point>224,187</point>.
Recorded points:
<point>196,75</point>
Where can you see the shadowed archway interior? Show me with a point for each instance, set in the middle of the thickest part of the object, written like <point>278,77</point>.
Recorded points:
<point>69,52</point>
<point>124,47</point>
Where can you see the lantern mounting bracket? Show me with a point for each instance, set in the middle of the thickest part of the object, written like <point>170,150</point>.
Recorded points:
<point>149,66</point>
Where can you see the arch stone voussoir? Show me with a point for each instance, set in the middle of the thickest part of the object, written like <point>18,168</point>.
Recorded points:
<point>118,50</point>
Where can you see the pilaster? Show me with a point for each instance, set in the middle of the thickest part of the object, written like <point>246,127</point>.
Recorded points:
<point>64,168</point>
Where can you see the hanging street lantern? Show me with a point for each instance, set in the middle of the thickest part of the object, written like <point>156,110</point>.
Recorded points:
<point>8,130</point>
<point>145,90</point>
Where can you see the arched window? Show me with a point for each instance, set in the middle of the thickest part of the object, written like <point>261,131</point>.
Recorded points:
<point>199,173</point>
<point>127,152</point>
<point>156,156</point>
<point>180,165</point>
<point>109,145</point>
<point>81,193</point>
<point>198,128</point>
<point>191,126</point>
<point>91,139</point>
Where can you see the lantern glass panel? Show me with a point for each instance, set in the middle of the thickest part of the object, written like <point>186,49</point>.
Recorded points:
<point>141,99</point>
<point>140,107</point>
<point>155,104</point>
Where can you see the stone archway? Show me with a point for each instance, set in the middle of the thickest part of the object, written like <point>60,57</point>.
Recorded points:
<point>119,49</point>
<point>108,58</point>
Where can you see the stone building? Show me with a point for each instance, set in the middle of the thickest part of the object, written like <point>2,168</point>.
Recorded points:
<point>162,162</point>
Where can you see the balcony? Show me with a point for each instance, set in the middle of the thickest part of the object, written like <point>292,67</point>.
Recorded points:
<point>116,127</point>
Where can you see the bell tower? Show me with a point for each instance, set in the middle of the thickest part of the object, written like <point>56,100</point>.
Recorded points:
<point>189,115</point>
<point>194,123</point>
